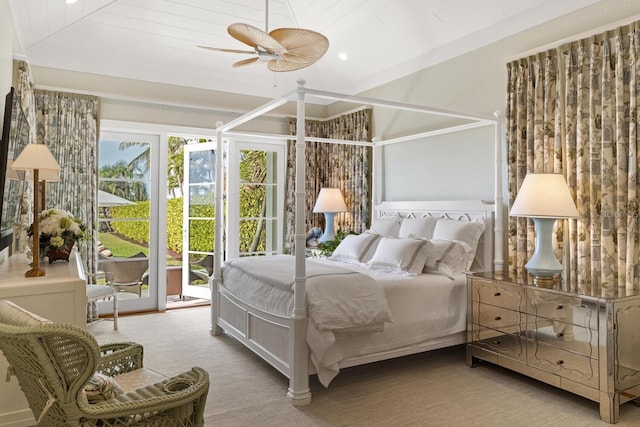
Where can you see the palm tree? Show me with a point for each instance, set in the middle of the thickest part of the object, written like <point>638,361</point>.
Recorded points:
<point>175,174</point>
<point>253,172</point>
<point>116,179</point>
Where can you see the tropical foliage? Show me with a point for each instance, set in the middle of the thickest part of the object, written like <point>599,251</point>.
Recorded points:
<point>120,179</point>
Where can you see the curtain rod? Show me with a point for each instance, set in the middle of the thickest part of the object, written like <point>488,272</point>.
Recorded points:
<point>575,37</point>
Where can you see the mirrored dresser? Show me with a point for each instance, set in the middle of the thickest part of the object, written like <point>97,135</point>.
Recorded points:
<point>585,343</point>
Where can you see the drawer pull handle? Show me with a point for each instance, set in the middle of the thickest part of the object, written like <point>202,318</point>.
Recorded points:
<point>496,342</point>
<point>560,362</point>
<point>497,318</point>
<point>497,294</point>
<point>560,334</point>
<point>559,307</point>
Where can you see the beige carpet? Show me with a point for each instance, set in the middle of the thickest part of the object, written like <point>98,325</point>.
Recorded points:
<point>430,389</point>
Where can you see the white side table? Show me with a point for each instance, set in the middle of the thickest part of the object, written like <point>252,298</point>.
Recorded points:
<point>60,296</point>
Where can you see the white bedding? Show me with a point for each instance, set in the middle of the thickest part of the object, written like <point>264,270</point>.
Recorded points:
<point>338,299</point>
<point>423,307</point>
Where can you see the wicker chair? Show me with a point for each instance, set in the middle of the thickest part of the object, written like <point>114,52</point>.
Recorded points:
<point>56,362</point>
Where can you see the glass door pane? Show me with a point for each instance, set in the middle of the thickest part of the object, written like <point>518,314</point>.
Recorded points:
<point>199,219</point>
<point>126,219</point>
<point>256,195</point>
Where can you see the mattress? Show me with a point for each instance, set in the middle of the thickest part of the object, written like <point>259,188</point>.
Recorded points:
<point>423,308</point>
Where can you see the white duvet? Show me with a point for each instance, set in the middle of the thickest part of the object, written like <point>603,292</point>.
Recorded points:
<point>385,311</point>
<point>338,299</point>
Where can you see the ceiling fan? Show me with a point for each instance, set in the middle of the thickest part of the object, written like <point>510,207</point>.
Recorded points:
<point>283,49</point>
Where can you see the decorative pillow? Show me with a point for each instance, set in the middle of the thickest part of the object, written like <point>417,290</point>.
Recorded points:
<point>468,232</point>
<point>404,256</point>
<point>447,257</point>
<point>417,228</point>
<point>356,248</point>
<point>101,387</point>
<point>386,226</point>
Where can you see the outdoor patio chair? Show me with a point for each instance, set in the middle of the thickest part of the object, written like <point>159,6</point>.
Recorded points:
<point>69,380</point>
<point>125,274</point>
<point>201,275</point>
<point>207,264</point>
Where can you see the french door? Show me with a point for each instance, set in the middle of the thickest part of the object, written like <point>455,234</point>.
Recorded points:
<point>198,232</point>
<point>127,214</point>
<point>256,193</point>
<point>254,210</point>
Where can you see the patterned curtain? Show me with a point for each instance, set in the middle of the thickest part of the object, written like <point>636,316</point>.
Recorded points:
<point>573,110</point>
<point>343,166</point>
<point>68,124</point>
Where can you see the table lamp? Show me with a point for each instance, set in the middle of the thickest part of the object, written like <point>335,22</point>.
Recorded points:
<point>544,197</point>
<point>45,176</point>
<point>330,202</point>
<point>36,157</point>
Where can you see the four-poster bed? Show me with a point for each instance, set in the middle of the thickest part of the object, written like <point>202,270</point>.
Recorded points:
<point>283,337</point>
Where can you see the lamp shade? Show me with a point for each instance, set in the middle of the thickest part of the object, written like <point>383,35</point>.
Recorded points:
<point>544,195</point>
<point>13,174</point>
<point>330,200</point>
<point>36,156</point>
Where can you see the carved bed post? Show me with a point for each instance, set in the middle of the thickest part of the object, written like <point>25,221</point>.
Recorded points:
<point>498,240</point>
<point>299,391</point>
<point>219,233</point>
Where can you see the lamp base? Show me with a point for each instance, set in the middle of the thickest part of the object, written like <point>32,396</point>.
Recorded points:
<point>543,265</point>
<point>329,234</point>
<point>545,281</point>
<point>36,272</point>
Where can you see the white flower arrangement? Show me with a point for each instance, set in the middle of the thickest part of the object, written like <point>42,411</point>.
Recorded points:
<point>59,230</point>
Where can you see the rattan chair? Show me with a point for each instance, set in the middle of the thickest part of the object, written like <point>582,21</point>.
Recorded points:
<point>55,363</point>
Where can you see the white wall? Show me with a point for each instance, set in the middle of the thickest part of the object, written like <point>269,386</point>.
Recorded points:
<point>440,168</point>
<point>6,65</point>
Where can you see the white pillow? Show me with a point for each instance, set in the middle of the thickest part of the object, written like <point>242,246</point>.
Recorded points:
<point>356,248</point>
<point>447,257</point>
<point>386,226</point>
<point>404,256</point>
<point>468,232</point>
<point>417,228</point>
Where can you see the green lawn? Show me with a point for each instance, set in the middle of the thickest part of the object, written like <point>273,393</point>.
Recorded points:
<point>124,248</point>
<point>120,247</point>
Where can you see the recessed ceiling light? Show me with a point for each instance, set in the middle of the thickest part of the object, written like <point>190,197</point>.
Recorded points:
<point>343,56</point>
<point>71,1</point>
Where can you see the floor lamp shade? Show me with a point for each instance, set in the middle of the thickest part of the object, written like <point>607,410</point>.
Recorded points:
<point>329,202</point>
<point>36,157</point>
<point>544,197</point>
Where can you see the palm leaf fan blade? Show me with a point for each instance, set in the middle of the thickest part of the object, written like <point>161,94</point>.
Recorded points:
<point>219,49</point>
<point>255,37</point>
<point>279,65</point>
<point>244,62</point>
<point>302,46</point>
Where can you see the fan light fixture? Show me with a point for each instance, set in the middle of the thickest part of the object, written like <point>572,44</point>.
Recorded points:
<point>283,49</point>
<point>544,197</point>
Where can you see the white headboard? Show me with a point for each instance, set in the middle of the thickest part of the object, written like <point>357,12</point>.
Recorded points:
<point>461,210</point>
